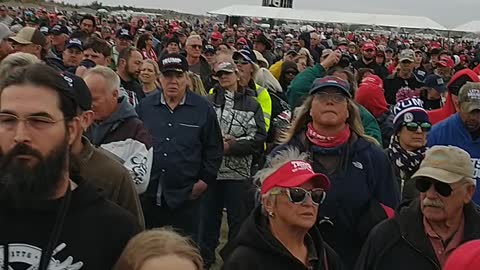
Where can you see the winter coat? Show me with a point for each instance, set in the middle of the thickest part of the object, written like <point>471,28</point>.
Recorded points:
<point>401,243</point>
<point>255,248</point>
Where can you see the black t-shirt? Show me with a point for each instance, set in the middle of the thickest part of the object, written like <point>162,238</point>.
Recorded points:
<point>392,84</point>
<point>133,86</point>
<point>429,104</point>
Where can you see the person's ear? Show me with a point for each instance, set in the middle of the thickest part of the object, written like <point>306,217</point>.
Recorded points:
<point>469,194</point>
<point>115,94</point>
<point>74,128</point>
<point>268,205</point>
<point>87,119</point>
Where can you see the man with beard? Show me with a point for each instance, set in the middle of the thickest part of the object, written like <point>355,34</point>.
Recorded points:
<point>128,69</point>
<point>50,218</point>
<point>462,129</point>
<point>369,51</point>
<point>425,233</point>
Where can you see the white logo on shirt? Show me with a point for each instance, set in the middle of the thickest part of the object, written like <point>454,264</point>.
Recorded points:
<point>358,165</point>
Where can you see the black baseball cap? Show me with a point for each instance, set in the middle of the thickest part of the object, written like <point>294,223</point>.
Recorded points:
<point>209,49</point>
<point>59,29</point>
<point>173,63</point>
<point>124,33</point>
<point>74,43</point>
<point>246,54</point>
<point>80,90</point>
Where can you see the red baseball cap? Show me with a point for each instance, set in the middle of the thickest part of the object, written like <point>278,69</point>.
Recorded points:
<point>216,36</point>
<point>293,174</point>
<point>465,257</point>
<point>369,46</point>
<point>242,41</point>
<point>446,61</point>
<point>372,80</point>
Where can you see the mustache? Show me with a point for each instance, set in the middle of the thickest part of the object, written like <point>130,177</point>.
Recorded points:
<point>17,150</point>
<point>432,203</point>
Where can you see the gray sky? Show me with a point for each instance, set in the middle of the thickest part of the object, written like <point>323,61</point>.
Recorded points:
<point>447,12</point>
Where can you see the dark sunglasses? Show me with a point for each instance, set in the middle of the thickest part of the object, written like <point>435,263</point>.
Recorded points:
<point>424,184</point>
<point>413,126</point>
<point>291,73</point>
<point>369,50</point>
<point>241,62</point>
<point>335,97</point>
<point>196,46</point>
<point>298,195</point>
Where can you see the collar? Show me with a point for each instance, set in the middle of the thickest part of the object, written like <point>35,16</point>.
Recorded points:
<point>432,234</point>
<point>87,152</point>
<point>186,100</point>
<point>312,253</point>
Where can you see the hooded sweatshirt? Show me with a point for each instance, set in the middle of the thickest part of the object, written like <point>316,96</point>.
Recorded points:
<point>255,248</point>
<point>92,237</point>
<point>124,135</point>
<point>448,108</point>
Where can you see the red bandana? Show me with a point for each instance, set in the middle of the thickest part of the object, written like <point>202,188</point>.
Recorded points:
<point>327,142</point>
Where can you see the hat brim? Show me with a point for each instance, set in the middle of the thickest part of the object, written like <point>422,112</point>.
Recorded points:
<point>74,46</point>
<point>470,106</point>
<point>438,174</point>
<point>245,57</point>
<point>20,40</point>
<point>406,59</point>
<point>319,180</point>
<point>224,70</point>
<point>330,85</point>
<point>177,70</point>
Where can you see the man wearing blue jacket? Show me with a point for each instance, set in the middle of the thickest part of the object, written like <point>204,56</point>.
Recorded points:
<point>463,128</point>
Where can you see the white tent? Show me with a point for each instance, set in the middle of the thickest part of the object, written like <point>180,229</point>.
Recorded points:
<point>473,27</point>
<point>330,16</point>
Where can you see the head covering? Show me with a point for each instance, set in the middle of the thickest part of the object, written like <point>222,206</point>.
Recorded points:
<point>293,174</point>
<point>406,55</point>
<point>330,82</point>
<point>260,58</point>
<point>370,95</point>
<point>5,31</point>
<point>80,89</point>
<point>209,49</point>
<point>448,164</point>
<point>247,54</point>
<point>242,41</point>
<point>264,40</point>
<point>469,97</point>
<point>74,43</point>
<point>173,62</point>
<point>369,46</point>
<point>372,80</point>
<point>124,33</point>
<point>59,29</point>
<point>173,39</point>
<point>408,110</point>
<point>216,36</point>
<point>445,61</point>
<point>225,66</point>
<point>30,35</point>
<point>464,257</point>
<point>436,82</point>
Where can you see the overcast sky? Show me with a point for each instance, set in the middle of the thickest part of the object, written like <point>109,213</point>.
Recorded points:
<point>449,13</point>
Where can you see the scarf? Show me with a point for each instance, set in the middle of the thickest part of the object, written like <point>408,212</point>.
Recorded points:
<point>327,142</point>
<point>407,161</point>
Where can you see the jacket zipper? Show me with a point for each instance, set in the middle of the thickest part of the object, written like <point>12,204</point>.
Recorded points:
<point>421,253</point>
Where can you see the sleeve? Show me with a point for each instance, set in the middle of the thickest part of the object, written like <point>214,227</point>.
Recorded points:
<point>254,139</point>
<point>212,152</point>
<point>366,259</point>
<point>128,198</point>
<point>370,125</point>
<point>432,138</point>
<point>377,246</point>
<point>266,105</point>
<point>301,85</point>
<point>276,69</point>
<point>386,188</point>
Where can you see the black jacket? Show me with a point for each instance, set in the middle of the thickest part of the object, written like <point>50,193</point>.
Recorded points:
<point>393,83</point>
<point>255,248</point>
<point>401,243</point>
<point>381,72</point>
<point>385,122</point>
<point>94,233</point>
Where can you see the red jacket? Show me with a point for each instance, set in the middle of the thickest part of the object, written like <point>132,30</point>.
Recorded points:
<point>436,116</point>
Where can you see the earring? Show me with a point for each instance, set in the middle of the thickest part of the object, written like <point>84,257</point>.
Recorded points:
<point>271,214</point>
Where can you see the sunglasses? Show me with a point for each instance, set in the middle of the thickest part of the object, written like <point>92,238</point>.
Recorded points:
<point>413,126</point>
<point>335,97</point>
<point>424,184</point>
<point>369,50</point>
<point>298,195</point>
<point>241,62</point>
<point>291,73</point>
<point>196,46</point>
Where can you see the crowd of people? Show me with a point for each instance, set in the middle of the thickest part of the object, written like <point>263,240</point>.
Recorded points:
<point>124,142</point>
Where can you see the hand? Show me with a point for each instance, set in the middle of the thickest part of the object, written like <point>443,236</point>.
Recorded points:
<point>331,60</point>
<point>80,72</point>
<point>198,189</point>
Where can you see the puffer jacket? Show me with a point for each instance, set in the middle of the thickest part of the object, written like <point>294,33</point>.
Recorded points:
<point>240,116</point>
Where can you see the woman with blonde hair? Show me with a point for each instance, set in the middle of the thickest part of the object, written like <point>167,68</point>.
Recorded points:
<point>195,84</point>
<point>149,74</point>
<point>329,130</point>
<point>159,249</point>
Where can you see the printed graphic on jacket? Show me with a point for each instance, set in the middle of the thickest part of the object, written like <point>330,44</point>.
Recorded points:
<point>24,256</point>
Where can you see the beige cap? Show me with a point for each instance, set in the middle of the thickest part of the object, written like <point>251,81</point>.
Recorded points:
<point>448,164</point>
<point>30,35</point>
<point>469,97</point>
<point>260,57</point>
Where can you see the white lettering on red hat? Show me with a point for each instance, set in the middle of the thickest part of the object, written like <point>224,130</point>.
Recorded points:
<point>301,166</point>
<point>171,60</point>
<point>473,94</point>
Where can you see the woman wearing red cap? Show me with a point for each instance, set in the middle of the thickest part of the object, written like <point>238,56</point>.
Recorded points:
<point>282,233</point>
<point>328,128</point>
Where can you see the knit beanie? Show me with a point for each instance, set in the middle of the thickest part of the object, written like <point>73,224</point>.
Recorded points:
<point>371,97</point>
<point>464,257</point>
<point>408,110</point>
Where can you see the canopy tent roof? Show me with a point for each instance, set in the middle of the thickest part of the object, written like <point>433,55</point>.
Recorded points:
<point>330,16</point>
<point>473,27</point>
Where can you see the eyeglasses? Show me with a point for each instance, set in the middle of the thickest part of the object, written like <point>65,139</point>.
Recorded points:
<point>241,62</point>
<point>335,97</point>
<point>10,121</point>
<point>413,126</point>
<point>196,46</point>
<point>424,184</point>
<point>298,195</point>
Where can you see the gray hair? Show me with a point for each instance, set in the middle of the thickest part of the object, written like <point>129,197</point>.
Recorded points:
<point>112,79</point>
<point>192,37</point>
<point>274,163</point>
<point>265,78</point>
<point>14,61</point>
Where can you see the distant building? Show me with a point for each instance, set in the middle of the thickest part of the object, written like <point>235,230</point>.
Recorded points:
<point>277,3</point>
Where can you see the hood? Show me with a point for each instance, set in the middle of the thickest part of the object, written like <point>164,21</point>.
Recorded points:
<point>436,116</point>
<point>256,235</point>
<point>287,65</point>
<point>124,110</point>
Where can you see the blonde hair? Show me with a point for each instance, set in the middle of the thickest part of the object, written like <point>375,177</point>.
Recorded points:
<point>156,243</point>
<point>192,37</point>
<point>303,118</point>
<point>154,64</point>
<point>14,61</point>
<point>112,79</point>
<point>197,84</point>
<point>265,79</point>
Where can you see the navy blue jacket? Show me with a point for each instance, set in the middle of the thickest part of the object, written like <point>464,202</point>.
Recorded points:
<point>187,145</point>
<point>365,176</point>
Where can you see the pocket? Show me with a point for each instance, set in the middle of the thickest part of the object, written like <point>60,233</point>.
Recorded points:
<point>188,135</point>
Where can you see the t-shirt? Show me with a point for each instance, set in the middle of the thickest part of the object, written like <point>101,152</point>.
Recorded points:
<point>196,68</point>
<point>133,86</point>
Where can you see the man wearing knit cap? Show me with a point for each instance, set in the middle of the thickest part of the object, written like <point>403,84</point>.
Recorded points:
<point>423,234</point>
<point>463,128</point>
